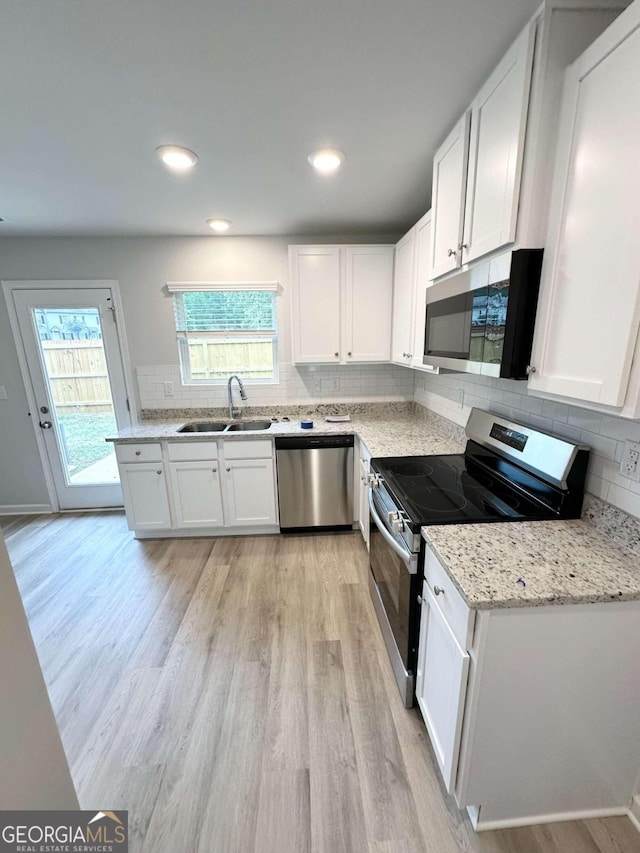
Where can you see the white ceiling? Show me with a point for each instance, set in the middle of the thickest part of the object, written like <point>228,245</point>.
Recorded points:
<point>89,89</point>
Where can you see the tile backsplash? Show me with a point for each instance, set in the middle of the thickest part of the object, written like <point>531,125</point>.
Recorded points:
<point>297,385</point>
<point>453,394</point>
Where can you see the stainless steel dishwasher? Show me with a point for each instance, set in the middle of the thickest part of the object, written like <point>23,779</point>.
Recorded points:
<point>315,481</point>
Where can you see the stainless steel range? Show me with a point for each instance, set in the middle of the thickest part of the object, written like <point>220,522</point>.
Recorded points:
<point>508,472</point>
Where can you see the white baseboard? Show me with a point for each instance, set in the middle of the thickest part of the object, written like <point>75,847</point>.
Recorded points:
<point>559,817</point>
<point>207,533</point>
<point>24,509</point>
<point>634,812</point>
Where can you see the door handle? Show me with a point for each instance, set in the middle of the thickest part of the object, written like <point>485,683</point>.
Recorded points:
<point>46,425</point>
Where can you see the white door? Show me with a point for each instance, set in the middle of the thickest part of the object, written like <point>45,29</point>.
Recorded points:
<point>421,282</point>
<point>496,149</point>
<point>367,297</point>
<point>250,492</point>
<point>402,338</point>
<point>197,495</point>
<point>441,686</point>
<point>74,366</point>
<point>448,194</point>
<point>589,314</point>
<point>145,496</point>
<point>315,304</point>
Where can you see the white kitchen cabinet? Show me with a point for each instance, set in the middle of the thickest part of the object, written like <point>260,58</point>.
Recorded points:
<point>448,198</point>
<point>315,304</point>
<point>197,496</point>
<point>364,458</point>
<point>422,280</point>
<point>495,192</point>
<point>441,684</point>
<point>511,695</point>
<point>250,492</point>
<point>403,299</point>
<point>146,500</point>
<point>341,303</point>
<point>367,303</point>
<point>496,150</point>
<point>586,346</point>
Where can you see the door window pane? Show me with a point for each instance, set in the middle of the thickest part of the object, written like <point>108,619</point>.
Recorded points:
<point>75,370</point>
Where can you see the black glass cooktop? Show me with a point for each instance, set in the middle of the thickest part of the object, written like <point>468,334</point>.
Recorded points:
<point>452,490</point>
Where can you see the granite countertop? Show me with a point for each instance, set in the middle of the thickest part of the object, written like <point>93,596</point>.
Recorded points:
<point>560,562</point>
<point>385,432</point>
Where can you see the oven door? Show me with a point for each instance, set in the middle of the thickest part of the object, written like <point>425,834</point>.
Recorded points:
<point>394,587</point>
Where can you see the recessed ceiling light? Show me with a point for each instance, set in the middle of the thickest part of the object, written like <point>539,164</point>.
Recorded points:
<point>219,225</point>
<point>177,158</point>
<point>326,160</point>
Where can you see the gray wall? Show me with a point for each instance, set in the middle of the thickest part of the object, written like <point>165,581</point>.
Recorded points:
<point>142,265</point>
<point>34,773</point>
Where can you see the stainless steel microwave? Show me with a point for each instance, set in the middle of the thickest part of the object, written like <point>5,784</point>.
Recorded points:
<point>481,321</point>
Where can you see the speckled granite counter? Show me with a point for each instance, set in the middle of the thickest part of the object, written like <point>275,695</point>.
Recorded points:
<point>386,430</point>
<point>560,562</point>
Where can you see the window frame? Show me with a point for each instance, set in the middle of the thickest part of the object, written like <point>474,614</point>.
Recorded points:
<point>183,337</point>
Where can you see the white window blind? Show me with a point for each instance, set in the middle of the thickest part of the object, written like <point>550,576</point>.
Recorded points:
<point>225,328</point>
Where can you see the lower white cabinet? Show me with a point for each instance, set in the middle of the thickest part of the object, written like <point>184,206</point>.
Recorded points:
<point>199,486</point>
<point>146,499</point>
<point>363,493</point>
<point>441,684</point>
<point>250,492</point>
<point>197,496</point>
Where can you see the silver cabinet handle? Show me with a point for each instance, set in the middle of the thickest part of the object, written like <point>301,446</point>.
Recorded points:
<point>138,452</point>
<point>437,590</point>
<point>336,354</point>
<point>159,471</point>
<point>419,599</point>
<point>215,470</point>
<point>348,353</point>
<point>451,252</point>
<point>46,424</point>
<point>530,369</point>
<point>228,469</point>
<point>462,246</point>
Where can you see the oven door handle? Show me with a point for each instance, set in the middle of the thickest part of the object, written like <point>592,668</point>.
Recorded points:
<point>404,553</point>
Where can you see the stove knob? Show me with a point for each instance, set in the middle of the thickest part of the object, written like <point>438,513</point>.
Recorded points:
<point>392,516</point>
<point>398,526</point>
<point>374,482</point>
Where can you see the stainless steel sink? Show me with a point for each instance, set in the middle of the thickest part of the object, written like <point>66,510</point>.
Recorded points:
<point>249,425</point>
<point>204,426</point>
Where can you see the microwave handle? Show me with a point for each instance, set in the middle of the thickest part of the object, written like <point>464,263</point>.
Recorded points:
<point>403,553</point>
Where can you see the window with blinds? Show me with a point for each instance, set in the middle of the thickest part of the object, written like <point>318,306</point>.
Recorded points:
<point>224,329</point>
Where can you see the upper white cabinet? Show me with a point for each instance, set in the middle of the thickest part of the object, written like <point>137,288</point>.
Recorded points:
<point>497,194</point>
<point>367,303</point>
<point>403,299</point>
<point>589,312</point>
<point>498,122</point>
<point>315,279</point>
<point>411,279</point>
<point>448,197</point>
<point>341,303</point>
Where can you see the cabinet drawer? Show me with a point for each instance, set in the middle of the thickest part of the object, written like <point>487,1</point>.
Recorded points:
<point>261,449</point>
<point>150,451</point>
<point>185,451</point>
<point>459,617</point>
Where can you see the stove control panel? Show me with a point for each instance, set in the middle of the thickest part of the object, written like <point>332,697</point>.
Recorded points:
<point>510,437</point>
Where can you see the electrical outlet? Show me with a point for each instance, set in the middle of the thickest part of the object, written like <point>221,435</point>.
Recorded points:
<point>630,464</point>
<point>168,389</point>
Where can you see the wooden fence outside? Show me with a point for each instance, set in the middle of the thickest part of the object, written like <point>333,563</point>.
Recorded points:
<point>80,382</point>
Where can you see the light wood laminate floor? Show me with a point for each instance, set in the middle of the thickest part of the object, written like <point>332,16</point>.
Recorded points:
<point>235,695</point>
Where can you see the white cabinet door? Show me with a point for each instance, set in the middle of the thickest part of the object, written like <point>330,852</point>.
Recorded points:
<point>496,148</point>
<point>448,194</point>
<point>589,314</point>
<point>146,501</point>
<point>368,287</point>
<point>363,512</point>
<point>422,281</point>
<point>315,290</point>
<point>250,492</point>
<point>402,340</point>
<point>441,686</point>
<point>197,497</point>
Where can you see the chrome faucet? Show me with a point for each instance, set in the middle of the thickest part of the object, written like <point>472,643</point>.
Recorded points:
<point>233,412</point>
